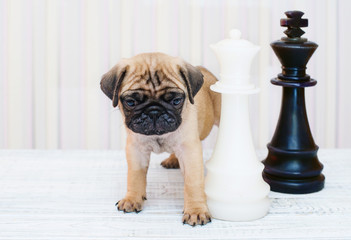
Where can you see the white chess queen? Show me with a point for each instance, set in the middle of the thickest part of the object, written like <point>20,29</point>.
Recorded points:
<point>234,185</point>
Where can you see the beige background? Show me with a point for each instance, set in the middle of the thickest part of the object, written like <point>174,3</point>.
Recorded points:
<point>53,53</point>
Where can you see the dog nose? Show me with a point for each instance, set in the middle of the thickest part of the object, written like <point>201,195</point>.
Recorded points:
<point>154,111</point>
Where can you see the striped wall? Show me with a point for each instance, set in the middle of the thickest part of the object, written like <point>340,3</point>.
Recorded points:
<point>53,53</point>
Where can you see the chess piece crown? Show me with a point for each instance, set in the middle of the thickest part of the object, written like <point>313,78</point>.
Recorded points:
<point>294,52</point>
<point>294,22</point>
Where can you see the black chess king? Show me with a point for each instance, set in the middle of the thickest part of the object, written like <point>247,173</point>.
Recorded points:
<point>292,165</point>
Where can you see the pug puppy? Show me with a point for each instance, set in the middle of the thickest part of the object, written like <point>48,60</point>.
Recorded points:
<point>167,106</point>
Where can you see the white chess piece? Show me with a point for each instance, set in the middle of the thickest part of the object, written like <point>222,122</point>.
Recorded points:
<point>234,185</point>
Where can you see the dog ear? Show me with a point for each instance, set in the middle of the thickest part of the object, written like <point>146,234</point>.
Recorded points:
<point>193,79</point>
<point>111,82</point>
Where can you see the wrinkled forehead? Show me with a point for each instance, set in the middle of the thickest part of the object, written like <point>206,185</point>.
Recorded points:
<point>142,94</point>
<point>154,80</point>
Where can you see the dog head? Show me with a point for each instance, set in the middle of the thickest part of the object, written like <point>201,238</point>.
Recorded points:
<point>152,90</point>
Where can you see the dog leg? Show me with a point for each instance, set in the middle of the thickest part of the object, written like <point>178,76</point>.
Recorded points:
<point>170,162</point>
<point>191,164</point>
<point>138,163</point>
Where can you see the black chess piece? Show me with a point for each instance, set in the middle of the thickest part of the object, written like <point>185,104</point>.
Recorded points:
<point>292,165</point>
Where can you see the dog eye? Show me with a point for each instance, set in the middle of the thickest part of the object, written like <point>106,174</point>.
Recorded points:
<point>130,102</point>
<point>177,101</point>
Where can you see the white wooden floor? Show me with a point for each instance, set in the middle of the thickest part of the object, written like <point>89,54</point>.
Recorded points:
<point>71,195</point>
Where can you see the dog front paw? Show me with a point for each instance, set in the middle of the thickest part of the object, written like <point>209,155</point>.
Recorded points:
<point>131,204</point>
<point>196,216</point>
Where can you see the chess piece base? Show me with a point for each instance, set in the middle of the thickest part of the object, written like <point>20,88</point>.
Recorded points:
<point>295,186</point>
<point>240,211</point>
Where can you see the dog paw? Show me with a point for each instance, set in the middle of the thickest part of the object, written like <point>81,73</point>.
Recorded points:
<point>196,216</point>
<point>170,162</point>
<point>129,204</point>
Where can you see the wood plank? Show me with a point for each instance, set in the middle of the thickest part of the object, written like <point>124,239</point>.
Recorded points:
<point>263,106</point>
<point>39,81</point>
<point>71,102</point>
<point>114,125</point>
<point>196,56</point>
<point>52,74</point>
<point>3,72</point>
<point>95,48</point>
<point>71,195</point>
<point>343,71</point>
<point>19,75</point>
